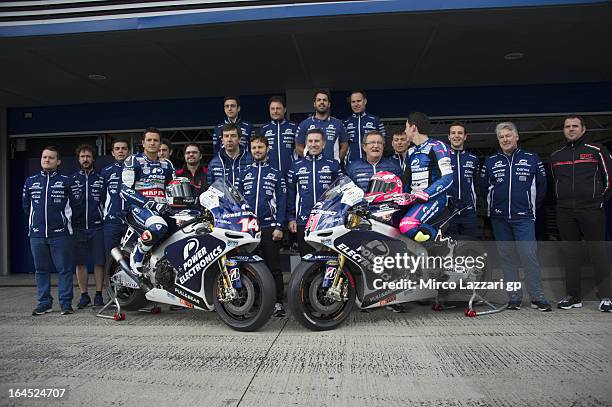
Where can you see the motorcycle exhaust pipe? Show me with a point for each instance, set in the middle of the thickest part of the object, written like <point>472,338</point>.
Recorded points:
<point>118,256</point>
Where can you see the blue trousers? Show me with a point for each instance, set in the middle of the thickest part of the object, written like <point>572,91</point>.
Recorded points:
<point>56,251</point>
<point>464,224</point>
<point>517,245</point>
<point>113,232</point>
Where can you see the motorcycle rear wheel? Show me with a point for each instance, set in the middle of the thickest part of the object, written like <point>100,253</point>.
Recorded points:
<point>255,305</point>
<point>130,299</point>
<point>307,302</point>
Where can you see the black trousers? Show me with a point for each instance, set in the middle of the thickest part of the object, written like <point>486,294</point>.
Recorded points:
<point>303,247</point>
<point>269,250</point>
<point>588,224</point>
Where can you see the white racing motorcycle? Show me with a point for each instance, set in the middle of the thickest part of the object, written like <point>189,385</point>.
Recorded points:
<point>349,236</point>
<point>206,264</point>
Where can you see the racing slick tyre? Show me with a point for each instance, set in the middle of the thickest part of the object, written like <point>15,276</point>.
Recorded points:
<point>255,302</point>
<point>308,301</point>
<point>130,299</point>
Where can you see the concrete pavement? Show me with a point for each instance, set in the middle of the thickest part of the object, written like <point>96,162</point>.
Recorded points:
<point>420,358</point>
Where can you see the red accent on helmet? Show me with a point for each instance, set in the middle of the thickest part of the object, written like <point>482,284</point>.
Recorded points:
<point>383,186</point>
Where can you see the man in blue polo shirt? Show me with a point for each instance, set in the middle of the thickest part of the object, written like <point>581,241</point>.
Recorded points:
<point>359,124</point>
<point>336,139</point>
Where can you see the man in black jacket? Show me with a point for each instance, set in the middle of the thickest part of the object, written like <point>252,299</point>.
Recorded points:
<point>582,173</point>
<point>194,169</point>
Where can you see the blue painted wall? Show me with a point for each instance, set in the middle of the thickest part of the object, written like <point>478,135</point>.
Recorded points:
<point>199,112</point>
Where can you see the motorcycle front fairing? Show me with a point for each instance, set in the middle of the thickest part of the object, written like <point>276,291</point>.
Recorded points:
<point>328,226</point>
<point>193,249</point>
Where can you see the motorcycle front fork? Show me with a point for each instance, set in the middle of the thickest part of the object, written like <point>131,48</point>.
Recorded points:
<point>230,276</point>
<point>334,280</point>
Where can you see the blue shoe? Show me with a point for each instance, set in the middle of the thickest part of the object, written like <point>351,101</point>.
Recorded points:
<point>84,301</point>
<point>98,300</point>
<point>67,309</point>
<point>41,310</point>
<point>514,305</point>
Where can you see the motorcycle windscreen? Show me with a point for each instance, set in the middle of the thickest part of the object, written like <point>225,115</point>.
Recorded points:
<point>229,208</point>
<point>330,211</point>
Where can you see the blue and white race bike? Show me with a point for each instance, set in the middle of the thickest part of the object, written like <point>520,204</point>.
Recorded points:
<point>206,264</point>
<point>351,237</point>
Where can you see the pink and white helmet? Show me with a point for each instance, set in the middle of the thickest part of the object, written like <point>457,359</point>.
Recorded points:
<point>383,187</point>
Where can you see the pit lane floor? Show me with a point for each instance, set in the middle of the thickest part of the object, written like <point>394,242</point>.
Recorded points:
<point>420,358</point>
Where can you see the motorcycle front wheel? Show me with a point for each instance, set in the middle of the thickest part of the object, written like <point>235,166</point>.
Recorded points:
<point>308,302</point>
<point>255,302</point>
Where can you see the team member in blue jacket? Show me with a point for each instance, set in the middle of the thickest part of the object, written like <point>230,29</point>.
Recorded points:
<point>336,139</point>
<point>515,185</point>
<point>264,188</point>
<point>359,124</point>
<point>280,134</point>
<point>466,167</point>
<point>400,144</point>
<point>428,176</point>
<point>307,179</point>
<point>231,160</point>
<point>50,200</point>
<point>143,187</point>
<point>88,228</point>
<point>361,170</point>
<point>114,206</point>
<point>231,107</point>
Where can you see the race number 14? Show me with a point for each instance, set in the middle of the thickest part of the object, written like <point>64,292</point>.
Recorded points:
<point>248,224</point>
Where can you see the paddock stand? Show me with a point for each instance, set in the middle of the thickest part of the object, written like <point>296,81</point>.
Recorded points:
<point>113,302</point>
<point>474,300</point>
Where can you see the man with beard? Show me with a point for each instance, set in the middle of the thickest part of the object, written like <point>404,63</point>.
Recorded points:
<point>334,133</point>
<point>88,228</point>
<point>193,168</point>
<point>264,189</point>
